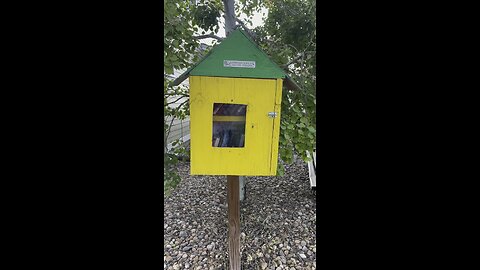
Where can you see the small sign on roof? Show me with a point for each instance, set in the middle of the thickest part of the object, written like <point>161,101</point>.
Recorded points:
<point>238,64</point>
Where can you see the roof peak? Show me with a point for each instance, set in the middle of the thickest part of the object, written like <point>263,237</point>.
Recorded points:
<point>237,56</point>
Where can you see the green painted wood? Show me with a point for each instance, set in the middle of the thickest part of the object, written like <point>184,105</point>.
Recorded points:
<point>238,47</point>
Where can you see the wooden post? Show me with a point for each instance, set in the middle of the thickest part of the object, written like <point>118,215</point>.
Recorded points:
<point>233,222</point>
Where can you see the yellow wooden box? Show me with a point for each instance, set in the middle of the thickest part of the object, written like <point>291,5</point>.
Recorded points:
<point>260,152</point>
<point>235,73</point>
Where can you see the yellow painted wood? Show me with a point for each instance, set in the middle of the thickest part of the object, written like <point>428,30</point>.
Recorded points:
<point>256,157</point>
<point>276,127</point>
<point>227,118</point>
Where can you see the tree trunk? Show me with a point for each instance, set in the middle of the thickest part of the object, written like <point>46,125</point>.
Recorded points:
<point>230,18</point>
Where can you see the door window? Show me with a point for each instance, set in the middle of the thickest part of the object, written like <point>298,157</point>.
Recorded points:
<point>229,125</point>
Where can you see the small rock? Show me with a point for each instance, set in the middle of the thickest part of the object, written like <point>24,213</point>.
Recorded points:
<point>303,256</point>
<point>187,248</point>
<point>183,234</point>
<point>303,243</point>
<point>187,265</point>
<point>264,265</point>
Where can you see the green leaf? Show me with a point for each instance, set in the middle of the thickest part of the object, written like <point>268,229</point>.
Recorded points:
<point>306,158</point>
<point>168,70</point>
<point>280,170</point>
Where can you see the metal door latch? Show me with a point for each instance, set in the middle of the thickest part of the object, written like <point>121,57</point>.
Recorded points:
<point>272,114</point>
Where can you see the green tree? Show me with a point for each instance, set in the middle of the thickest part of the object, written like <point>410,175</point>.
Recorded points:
<point>288,36</point>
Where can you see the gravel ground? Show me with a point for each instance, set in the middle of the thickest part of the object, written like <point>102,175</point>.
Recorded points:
<point>277,222</point>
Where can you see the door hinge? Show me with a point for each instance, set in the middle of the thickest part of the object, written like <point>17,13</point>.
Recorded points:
<point>272,114</point>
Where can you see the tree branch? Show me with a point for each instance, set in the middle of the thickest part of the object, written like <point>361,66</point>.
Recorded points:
<point>250,32</point>
<point>174,94</point>
<point>294,60</point>
<point>208,36</point>
<point>298,57</point>
<point>296,50</point>
<point>172,102</point>
<point>242,23</point>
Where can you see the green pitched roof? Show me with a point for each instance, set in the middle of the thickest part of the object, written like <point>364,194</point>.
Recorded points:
<point>237,47</point>
<point>239,57</point>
